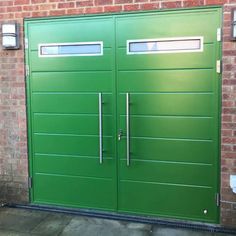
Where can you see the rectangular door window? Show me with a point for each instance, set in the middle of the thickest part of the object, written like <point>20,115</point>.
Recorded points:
<point>71,49</point>
<point>169,45</point>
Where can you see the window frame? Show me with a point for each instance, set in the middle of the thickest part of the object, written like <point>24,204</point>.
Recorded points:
<point>70,44</point>
<point>201,38</point>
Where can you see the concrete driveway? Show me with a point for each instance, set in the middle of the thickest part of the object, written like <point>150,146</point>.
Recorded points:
<point>19,222</point>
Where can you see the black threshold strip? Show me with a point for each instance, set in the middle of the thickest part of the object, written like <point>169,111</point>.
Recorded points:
<point>130,218</point>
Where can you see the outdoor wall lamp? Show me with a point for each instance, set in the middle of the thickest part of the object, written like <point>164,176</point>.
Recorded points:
<point>233,28</point>
<point>10,36</point>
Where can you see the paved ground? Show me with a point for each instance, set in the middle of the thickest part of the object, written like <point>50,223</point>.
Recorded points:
<point>19,222</point>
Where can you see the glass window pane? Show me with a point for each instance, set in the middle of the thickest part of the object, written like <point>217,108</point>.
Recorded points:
<point>73,49</point>
<point>165,45</point>
<point>80,49</point>
<point>49,50</point>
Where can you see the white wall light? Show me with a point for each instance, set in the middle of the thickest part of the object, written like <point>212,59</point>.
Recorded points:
<point>10,36</point>
<point>233,182</point>
<point>233,27</point>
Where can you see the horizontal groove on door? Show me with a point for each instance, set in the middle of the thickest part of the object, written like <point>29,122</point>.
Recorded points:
<point>182,80</point>
<point>166,184</point>
<point>75,145</point>
<point>67,93</point>
<point>65,103</point>
<point>170,127</point>
<point>82,167</point>
<point>196,60</point>
<point>72,81</point>
<point>71,124</point>
<point>168,104</point>
<point>171,173</point>
<point>171,150</point>
<point>71,135</point>
<point>92,63</point>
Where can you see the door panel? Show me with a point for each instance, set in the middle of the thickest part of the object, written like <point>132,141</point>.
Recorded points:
<point>172,119</point>
<point>169,61</point>
<point>168,104</point>
<point>162,149</point>
<point>64,95</point>
<point>64,102</point>
<point>73,63</point>
<point>71,30</point>
<point>74,191</point>
<point>153,199</point>
<point>169,127</point>
<point>166,80</point>
<point>168,24</point>
<point>73,81</point>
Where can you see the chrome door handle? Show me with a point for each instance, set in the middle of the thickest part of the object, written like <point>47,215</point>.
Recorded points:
<point>127,130</point>
<point>100,127</point>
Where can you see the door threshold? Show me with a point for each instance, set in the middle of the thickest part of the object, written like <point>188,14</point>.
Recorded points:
<point>126,217</point>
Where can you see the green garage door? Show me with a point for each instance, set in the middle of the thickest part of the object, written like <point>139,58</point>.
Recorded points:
<point>124,113</point>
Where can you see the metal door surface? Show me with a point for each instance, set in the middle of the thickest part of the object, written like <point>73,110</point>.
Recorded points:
<point>133,128</point>
<point>168,159</point>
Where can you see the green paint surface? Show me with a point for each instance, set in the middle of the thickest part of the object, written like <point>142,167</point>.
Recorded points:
<point>174,116</point>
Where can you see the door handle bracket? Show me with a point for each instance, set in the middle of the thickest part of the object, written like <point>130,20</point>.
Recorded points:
<point>120,133</point>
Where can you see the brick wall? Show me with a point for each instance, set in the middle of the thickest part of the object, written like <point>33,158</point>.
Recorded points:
<point>13,140</point>
<point>228,139</point>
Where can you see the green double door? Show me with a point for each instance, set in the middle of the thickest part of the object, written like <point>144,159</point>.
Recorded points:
<point>123,112</point>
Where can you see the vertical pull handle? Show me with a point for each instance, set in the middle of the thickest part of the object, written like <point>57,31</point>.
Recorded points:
<point>127,130</point>
<point>100,127</point>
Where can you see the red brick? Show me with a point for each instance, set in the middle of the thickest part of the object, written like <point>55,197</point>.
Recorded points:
<point>149,6</point>
<point>131,7</point>
<point>193,3</point>
<point>226,132</point>
<point>171,4</point>
<point>3,9</point>
<point>103,2</point>
<point>123,1</point>
<point>66,5</point>
<point>6,3</point>
<point>22,14</point>
<point>215,2</point>
<point>39,13</point>
<point>47,7</point>
<point>85,3</point>
<point>21,2</point>
<point>31,8</point>
<point>38,1</point>
<point>94,10</point>
<point>14,9</point>
<point>75,11</point>
<point>112,8</point>
<point>137,1</point>
<point>227,118</point>
<point>57,12</point>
